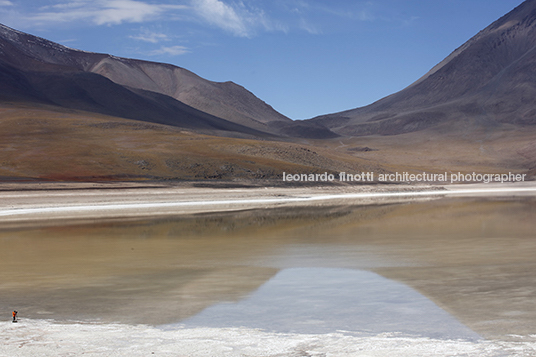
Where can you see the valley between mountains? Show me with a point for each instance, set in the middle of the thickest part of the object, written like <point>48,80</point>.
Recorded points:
<point>67,114</point>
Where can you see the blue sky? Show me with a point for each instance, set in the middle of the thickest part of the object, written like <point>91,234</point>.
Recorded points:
<point>303,57</point>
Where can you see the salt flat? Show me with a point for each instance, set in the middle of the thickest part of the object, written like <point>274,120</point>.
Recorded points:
<point>43,338</point>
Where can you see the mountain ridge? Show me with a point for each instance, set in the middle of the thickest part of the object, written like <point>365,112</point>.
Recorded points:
<point>30,59</point>
<point>488,78</point>
<point>67,115</point>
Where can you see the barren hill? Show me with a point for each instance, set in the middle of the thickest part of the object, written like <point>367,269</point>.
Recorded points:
<point>72,115</point>
<point>53,143</point>
<point>35,70</point>
<point>490,80</point>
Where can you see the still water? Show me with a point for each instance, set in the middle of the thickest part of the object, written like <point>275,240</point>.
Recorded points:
<point>451,268</point>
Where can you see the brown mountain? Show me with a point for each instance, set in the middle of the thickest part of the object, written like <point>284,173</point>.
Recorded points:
<point>225,100</point>
<point>67,114</point>
<point>35,70</point>
<point>488,81</point>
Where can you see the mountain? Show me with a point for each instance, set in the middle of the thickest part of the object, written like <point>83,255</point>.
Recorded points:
<point>35,70</point>
<point>225,100</point>
<point>72,115</point>
<point>488,81</point>
<point>67,114</point>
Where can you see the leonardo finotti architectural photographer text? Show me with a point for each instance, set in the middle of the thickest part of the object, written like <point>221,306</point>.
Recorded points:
<point>404,177</point>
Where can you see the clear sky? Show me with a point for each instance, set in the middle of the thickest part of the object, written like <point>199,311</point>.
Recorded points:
<point>303,57</point>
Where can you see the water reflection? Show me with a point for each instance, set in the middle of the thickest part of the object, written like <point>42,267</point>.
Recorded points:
<point>325,300</point>
<point>473,258</point>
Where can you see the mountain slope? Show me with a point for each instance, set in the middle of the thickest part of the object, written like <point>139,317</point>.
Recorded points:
<point>48,142</point>
<point>35,69</point>
<point>489,80</point>
<point>225,100</point>
<point>93,93</point>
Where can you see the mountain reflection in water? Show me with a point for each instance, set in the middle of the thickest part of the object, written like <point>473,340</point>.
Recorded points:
<point>473,258</point>
<point>325,300</point>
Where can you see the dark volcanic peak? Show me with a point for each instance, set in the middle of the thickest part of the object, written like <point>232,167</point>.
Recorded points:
<point>25,51</point>
<point>491,79</point>
<point>33,69</point>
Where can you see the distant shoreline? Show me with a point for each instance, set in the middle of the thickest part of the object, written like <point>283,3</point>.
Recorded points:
<point>53,202</point>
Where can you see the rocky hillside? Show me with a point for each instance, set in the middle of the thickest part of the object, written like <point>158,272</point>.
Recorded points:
<point>35,70</point>
<point>489,80</point>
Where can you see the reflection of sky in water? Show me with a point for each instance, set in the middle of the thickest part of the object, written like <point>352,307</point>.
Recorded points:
<point>321,300</point>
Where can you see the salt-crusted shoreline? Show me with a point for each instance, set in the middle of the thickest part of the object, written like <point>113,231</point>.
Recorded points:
<point>125,201</point>
<point>47,338</point>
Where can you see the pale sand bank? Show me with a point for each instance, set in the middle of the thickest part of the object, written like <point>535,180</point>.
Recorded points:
<point>68,202</point>
<point>44,338</point>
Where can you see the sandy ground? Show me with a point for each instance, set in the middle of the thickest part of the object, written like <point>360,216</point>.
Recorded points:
<point>45,202</point>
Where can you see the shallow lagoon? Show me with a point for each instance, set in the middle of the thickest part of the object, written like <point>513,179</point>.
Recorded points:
<point>442,269</point>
